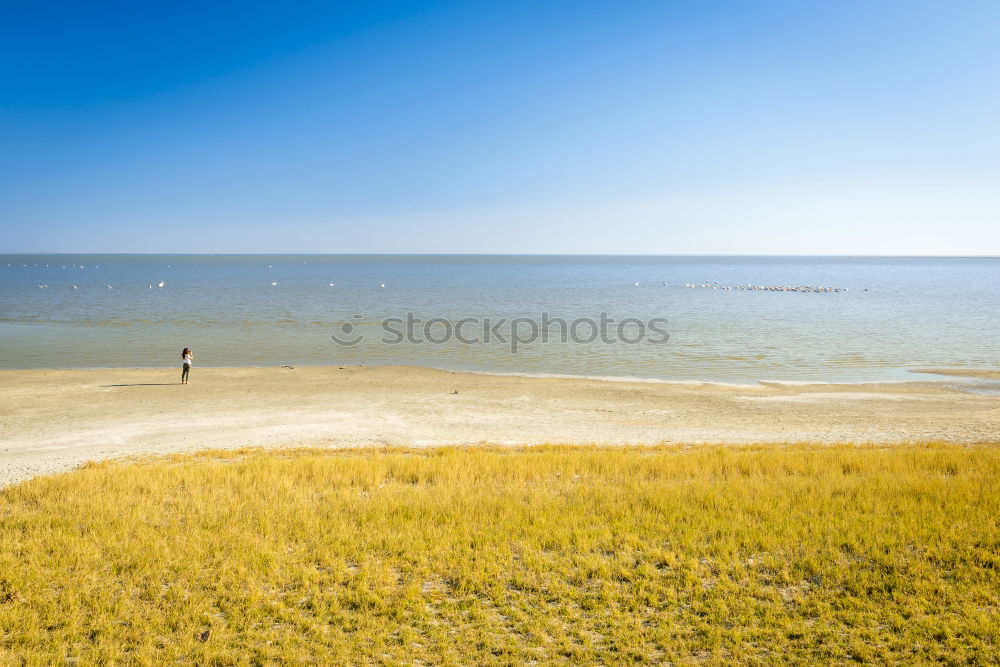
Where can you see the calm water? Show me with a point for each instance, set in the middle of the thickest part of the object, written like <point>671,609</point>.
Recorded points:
<point>896,313</point>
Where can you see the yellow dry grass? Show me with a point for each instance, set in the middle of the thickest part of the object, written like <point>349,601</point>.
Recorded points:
<point>766,554</point>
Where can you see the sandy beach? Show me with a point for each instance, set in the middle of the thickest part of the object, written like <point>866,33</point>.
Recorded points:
<point>54,420</point>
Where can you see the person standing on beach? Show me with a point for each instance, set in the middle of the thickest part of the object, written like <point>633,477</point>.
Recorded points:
<point>188,356</point>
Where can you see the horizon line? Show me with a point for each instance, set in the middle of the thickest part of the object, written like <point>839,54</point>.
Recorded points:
<point>500,254</point>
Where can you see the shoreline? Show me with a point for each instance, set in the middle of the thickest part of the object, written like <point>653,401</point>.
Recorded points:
<point>58,419</point>
<point>971,375</point>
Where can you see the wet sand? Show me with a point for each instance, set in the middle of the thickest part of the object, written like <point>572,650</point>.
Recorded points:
<point>981,373</point>
<point>55,420</point>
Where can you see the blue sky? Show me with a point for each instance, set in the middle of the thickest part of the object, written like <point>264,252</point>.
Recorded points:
<point>639,127</point>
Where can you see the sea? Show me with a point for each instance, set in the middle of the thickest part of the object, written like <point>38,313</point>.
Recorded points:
<point>674,318</point>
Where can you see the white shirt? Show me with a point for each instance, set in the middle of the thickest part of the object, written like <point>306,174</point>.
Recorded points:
<point>187,359</point>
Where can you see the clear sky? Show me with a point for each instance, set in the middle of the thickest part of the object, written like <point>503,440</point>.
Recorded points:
<point>847,127</point>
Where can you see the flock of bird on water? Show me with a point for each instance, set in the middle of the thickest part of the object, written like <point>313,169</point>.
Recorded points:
<point>771,288</point>
<point>714,286</point>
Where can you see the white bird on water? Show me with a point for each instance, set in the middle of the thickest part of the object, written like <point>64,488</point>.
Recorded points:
<point>75,287</point>
<point>160,284</point>
<point>382,285</point>
<point>274,284</point>
<point>635,284</point>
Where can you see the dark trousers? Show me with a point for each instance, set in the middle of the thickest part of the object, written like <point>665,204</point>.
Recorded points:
<point>185,372</point>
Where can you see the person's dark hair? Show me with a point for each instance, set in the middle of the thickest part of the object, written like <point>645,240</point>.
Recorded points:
<point>184,352</point>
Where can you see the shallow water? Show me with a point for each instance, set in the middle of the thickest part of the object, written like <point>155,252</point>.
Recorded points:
<point>893,314</point>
